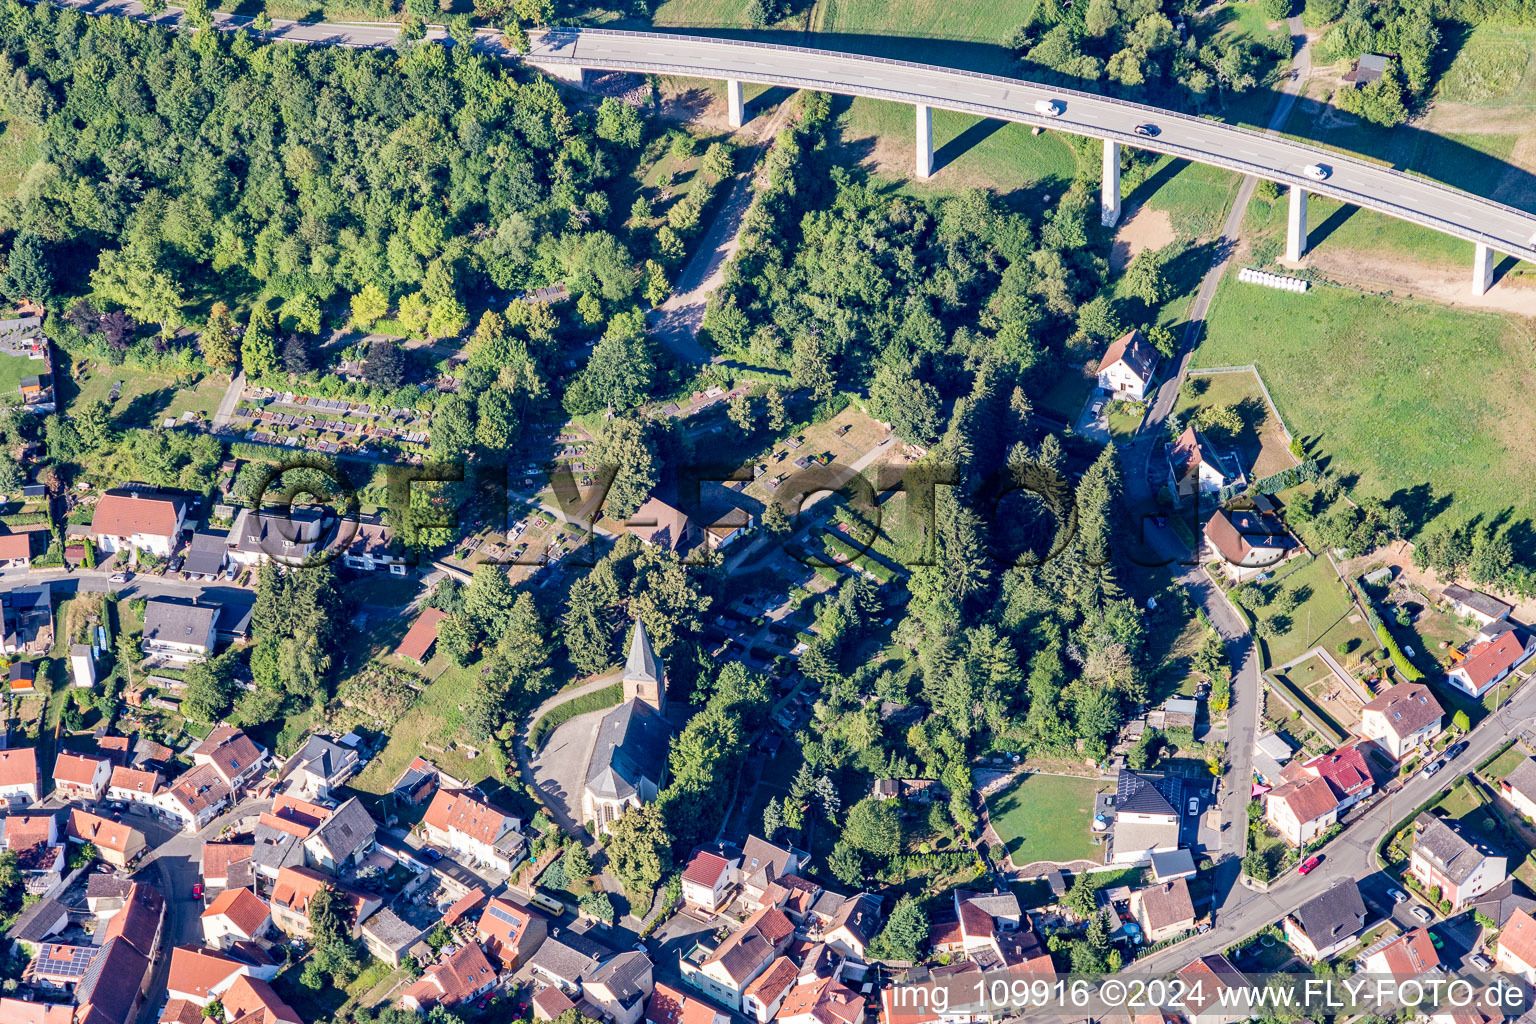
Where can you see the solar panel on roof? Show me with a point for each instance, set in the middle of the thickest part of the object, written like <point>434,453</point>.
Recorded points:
<point>503,916</point>
<point>74,964</point>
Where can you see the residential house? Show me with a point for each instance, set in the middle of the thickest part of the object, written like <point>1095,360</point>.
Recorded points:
<point>1474,604</point>
<point>1205,980</point>
<point>1196,467</point>
<point>37,922</point>
<point>26,624</point>
<point>1500,903</point>
<point>620,987</point>
<point>658,524</point>
<point>1146,816</point>
<point>418,781</point>
<point>419,640</point>
<point>707,880</point>
<point>1460,865</point>
<point>1489,662</point>
<point>1165,868</point>
<point>1346,772</point>
<point>1248,541</point>
<point>288,537</point>
<point>236,915</point>
<point>116,844</point>
<point>510,933</point>
<point>343,838</point>
<point>16,551</point>
<point>196,798</point>
<point>725,972</point>
<point>1369,67</point>
<point>1128,366</point>
<point>846,924</point>
<point>566,958</point>
<point>201,975</point>
<point>77,777</point>
<point>763,863</point>
<point>280,833</point>
<point>991,930</point>
<point>105,893</point>
<point>391,937</point>
<point>821,1000</point>
<point>320,766</point>
<point>128,519</point>
<point>1402,956</point>
<point>1323,926</point>
<point>1402,720</point>
<point>228,866</point>
<point>26,1011</point>
<point>1519,788</point>
<point>296,886</point>
<point>763,998</point>
<point>250,1000</point>
<point>34,839</point>
<point>669,1005</point>
<point>1516,948</point>
<point>1301,810</point>
<point>373,548</point>
<point>179,632</point>
<point>461,977</point>
<point>133,785</point>
<point>464,823</point>
<point>110,990</point>
<point>234,755</point>
<point>1164,910</point>
<point>18,776</point>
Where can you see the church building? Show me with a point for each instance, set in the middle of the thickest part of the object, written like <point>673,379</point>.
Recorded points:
<point>629,758</point>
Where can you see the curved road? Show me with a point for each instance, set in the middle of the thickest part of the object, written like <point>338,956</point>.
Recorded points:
<point>1353,180</point>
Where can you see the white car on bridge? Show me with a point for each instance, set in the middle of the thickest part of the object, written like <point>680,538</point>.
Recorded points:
<point>1318,171</point>
<point>1050,108</point>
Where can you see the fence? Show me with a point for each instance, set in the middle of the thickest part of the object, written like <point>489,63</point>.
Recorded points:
<point>1263,277</point>
<point>1274,410</point>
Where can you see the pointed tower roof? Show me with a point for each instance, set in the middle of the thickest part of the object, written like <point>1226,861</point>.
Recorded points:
<point>642,660</point>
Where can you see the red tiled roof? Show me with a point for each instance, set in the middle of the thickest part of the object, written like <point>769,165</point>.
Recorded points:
<point>1345,769</point>
<point>463,905</point>
<point>122,515</point>
<point>1487,659</point>
<point>135,780</point>
<point>181,1011</point>
<point>22,1011</point>
<point>198,971</point>
<point>18,767</point>
<point>460,812</point>
<point>1518,936</point>
<point>200,788</point>
<point>705,868</point>
<point>75,769</point>
<point>453,979</point>
<point>1411,954</point>
<point>15,545</point>
<point>243,908</point>
<point>249,995</point>
<point>1140,358</point>
<point>422,635</point>
<point>1309,798</point>
<point>138,922</point>
<point>774,982</point>
<point>103,833</point>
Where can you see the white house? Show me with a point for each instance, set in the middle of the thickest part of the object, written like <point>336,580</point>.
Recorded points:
<point>1302,810</point>
<point>178,631</point>
<point>18,776</point>
<point>1460,866</point>
<point>1248,541</point>
<point>460,822</point>
<point>287,538</point>
<point>1403,719</point>
<point>1489,662</point>
<point>1476,605</point>
<point>130,519</point>
<point>1127,367</point>
<point>1194,465</point>
<point>372,548</point>
<point>707,880</point>
<point>80,778</point>
<point>16,551</point>
<point>1519,788</point>
<point>133,786</point>
<point>1146,821</point>
<point>82,666</point>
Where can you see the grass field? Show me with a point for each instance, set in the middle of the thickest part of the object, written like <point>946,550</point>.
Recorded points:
<point>1492,68</point>
<point>430,729</point>
<point>1261,442</point>
<point>12,370</point>
<point>146,398</point>
<point>1322,614</point>
<point>18,152</point>
<point>1505,763</point>
<point>1045,817</point>
<point>1409,400</point>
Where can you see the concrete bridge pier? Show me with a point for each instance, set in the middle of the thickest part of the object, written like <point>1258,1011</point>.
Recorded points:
<point>924,141</point>
<point>577,76</point>
<point>1483,260</point>
<point>1109,197</point>
<point>1296,225</point>
<point>734,99</point>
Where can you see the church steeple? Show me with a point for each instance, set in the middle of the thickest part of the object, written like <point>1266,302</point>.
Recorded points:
<point>644,677</point>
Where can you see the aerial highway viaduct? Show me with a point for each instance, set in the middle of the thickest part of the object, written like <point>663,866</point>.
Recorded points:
<point>1491,227</point>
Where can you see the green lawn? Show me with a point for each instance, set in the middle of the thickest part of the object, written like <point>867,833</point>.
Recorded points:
<point>1261,442</point>
<point>1046,817</point>
<point>146,398</point>
<point>1195,196</point>
<point>1410,400</point>
<point>1322,614</point>
<point>1493,68</point>
<point>12,370</point>
<point>1505,762</point>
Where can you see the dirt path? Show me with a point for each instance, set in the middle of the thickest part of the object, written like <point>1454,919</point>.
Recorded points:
<point>677,320</point>
<point>1371,271</point>
<point>1143,229</point>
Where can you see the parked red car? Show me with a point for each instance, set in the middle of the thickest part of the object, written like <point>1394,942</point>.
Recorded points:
<point>1309,864</point>
<point>197,891</point>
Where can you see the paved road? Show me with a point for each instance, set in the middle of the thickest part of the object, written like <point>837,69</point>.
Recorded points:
<point>1352,180</point>
<point>1352,855</point>
<point>86,581</point>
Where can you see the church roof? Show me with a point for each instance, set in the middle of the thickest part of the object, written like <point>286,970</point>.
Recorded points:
<point>641,665</point>
<point>631,747</point>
